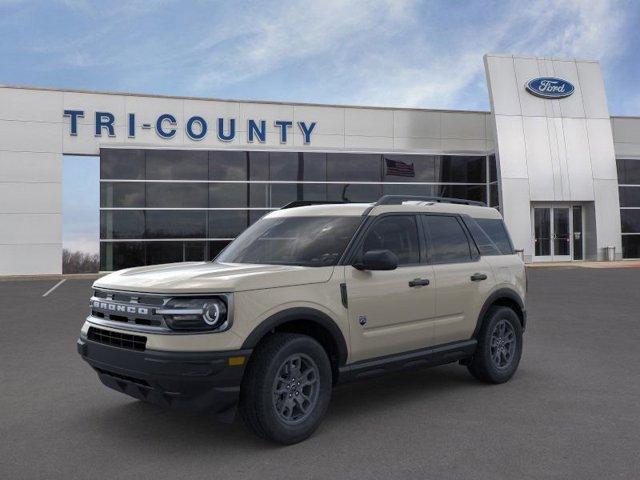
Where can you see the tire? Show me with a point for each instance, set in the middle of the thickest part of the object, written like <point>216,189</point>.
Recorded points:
<point>496,359</point>
<point>274,403</point>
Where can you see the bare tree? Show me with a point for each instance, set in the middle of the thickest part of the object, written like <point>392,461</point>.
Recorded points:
<point>80,262</point>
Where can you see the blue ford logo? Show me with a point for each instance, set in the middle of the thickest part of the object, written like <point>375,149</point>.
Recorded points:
<point>550,87</point>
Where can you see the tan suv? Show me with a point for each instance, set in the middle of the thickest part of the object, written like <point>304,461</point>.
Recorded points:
<point>309,296</point>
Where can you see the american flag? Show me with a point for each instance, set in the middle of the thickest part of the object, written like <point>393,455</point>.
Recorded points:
<point>398,168</point>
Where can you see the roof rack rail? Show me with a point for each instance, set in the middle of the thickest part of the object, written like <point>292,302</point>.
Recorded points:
<point>307,203</point>
<point>398,199</point>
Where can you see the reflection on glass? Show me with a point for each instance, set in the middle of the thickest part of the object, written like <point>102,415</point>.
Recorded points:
<point>176,165</point>
<point>577,232</point>
<point>125,164</point>
<point>542,230</point>
<point>176,224</point>
<point>354,167</point>
<point>177,195</point>
<point>128,195</point>
<point>228,165</point>
<point>561,237</point>
<point>227,223</point>
<point>115,224</point>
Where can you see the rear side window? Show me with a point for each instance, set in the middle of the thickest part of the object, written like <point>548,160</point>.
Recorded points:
<point>494,228</point>
<point>448,242</point>
<point>397,233</point>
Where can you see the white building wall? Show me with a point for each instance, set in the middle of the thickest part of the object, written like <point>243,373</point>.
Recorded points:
<point>30,182</point>
<point>553,150</point>
<point>34,135</point>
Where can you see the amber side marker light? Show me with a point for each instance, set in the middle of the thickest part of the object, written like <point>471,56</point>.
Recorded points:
<point>236,361</point>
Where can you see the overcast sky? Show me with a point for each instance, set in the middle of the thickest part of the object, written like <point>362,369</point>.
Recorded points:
<point>391,53</point>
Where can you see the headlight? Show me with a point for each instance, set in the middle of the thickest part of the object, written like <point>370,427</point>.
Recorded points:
<point>196,314</point>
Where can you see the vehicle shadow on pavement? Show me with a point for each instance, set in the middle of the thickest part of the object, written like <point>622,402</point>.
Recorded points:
<point>131,421</point>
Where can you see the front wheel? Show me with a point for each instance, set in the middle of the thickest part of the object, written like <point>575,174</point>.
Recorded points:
<point>286,389</point>
<point>499,346</point>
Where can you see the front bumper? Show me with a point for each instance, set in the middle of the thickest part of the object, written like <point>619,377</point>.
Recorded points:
<point>194,381</point>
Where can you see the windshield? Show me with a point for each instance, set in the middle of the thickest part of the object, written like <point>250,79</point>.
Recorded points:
<point>304,241</point>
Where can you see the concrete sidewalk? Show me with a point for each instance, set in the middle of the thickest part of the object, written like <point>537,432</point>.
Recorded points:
<point>585,264</point>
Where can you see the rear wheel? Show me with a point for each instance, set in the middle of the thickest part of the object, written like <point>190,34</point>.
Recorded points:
<point>499,346</point>
<point>286,389</point>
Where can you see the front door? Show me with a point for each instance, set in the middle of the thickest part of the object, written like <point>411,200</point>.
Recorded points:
<point>389,311</point>
<point>557,233</point>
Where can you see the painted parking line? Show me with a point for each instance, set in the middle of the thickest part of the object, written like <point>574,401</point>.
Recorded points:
<point>54,287</point>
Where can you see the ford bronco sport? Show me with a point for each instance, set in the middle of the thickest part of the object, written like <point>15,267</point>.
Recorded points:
<point>309,296</point>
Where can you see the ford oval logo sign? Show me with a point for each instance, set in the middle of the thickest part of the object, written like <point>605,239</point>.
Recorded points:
<point>549,87</point>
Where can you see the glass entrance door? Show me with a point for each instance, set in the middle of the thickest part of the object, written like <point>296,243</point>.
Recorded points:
<point>557,233</point>
<point>561,235</point>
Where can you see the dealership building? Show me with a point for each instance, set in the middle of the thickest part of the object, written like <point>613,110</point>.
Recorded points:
<point>181,177</point>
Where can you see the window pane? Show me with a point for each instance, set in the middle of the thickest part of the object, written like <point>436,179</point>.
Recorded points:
<point>409,168</point>
<point>228,165</point>
<point>485,244</point>
<point>284,166</point>
<point>353,192</point>
<point>121,224</point>
<point>628,171</point>
<point>119,255</point>
<point>176,165</point>
<point>215,248</point>
<point>630,221</point>
<point>259,195</point>
<point>353,167</point>
<point>164,252</point>
<point>177,195</point>
<point>493,169</point>
<point>447,240</point>
<point>122,163</point>
<point>129,195</point>
<point>227,223</point>
<point>631,246</point>
<point>176,224</point>
<point>195,251</point>
<point>284,193</point>
<point>314,192</point>
<point>418,190</point>
<point>461,169</point>
<point>476,193</point>
<point>228,195</point>
<point>397,233</point>
<point>496,230</point>
<point>314,166</point>
<point>258,166</point>
<point>494,199</point>
<point>629,196</point>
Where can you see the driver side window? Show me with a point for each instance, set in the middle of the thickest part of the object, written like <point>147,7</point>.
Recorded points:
<point>397,233</point>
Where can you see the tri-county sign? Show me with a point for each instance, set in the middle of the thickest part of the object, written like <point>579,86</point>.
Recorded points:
<point>196,127</point>
<point>549,87</point>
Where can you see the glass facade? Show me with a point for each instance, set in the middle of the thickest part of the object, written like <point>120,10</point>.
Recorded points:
<point>629,191</point>
<point>159,206</point>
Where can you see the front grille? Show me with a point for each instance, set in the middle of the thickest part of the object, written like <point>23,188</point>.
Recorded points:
<point>130,308</point>
<point>117,339</point>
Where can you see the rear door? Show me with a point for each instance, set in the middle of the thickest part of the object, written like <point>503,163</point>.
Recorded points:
<point>462,277</point>
<point>390,311</point>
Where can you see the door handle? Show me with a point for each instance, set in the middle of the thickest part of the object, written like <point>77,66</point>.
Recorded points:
<point>477,277</point>
<point>419,282</point>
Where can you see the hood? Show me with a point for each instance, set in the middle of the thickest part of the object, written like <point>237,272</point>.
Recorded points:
<point>208,277</point>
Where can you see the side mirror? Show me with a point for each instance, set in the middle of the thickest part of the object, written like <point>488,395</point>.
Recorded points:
<point>377,260</point>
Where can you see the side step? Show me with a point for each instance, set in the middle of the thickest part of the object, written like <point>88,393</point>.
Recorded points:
<point>424,357</point>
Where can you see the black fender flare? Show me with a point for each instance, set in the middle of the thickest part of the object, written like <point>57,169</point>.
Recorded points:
<point>299,313</point>
<point>499,294</point>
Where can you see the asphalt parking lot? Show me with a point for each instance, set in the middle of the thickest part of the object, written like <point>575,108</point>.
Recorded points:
<point>571,411</point>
